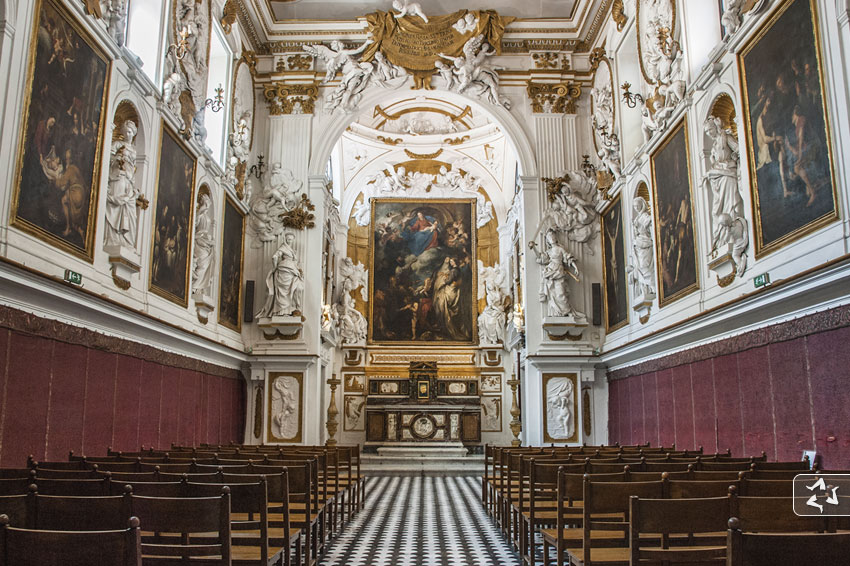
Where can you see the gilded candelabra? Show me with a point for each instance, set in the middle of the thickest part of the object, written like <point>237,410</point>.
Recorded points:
<point>332,425</point>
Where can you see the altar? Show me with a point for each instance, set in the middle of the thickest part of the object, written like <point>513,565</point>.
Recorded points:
<point>423,408</point>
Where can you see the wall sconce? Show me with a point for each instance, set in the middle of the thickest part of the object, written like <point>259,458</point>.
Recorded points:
<point>630,98</point>
<point>217,103</point>
<point>259,169</point>
<point>182,46</point>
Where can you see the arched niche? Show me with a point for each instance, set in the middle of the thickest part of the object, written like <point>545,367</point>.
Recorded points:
<point>126,110</point>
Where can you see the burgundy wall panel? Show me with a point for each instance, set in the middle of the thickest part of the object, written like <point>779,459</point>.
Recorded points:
<point>829,360</point>
<point>636,410</point>
<point>702,382</point>
<point>27,392</point>
<point>67,400</point>
<point>683,400</point>
<point>666,409</point>
<point>61,397</point>
<point>727,398</point>
<point>774,398</point>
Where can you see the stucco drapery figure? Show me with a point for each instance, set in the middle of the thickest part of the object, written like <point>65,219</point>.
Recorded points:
<point>558,266</point>
<point>202,269</point>
<point>493,320</point>
<point>285,282</point>
<point>122,217</point>
<point>642,270</point>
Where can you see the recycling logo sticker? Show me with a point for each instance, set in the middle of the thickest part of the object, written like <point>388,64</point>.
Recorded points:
<point>822,495</point>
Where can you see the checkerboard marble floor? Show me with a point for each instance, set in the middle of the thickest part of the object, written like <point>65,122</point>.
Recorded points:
<point>415,520</point>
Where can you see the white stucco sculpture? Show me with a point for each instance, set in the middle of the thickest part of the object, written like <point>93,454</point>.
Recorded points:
<point>471,72</point>
<point>238,143</point>
<point>492,322</point>
<point>727,206</point>
<point>355,75</point>
<point>351,323</point>
<point>731,18</point>
<point>572,210</point>
<point>642,268</point>
<point>285,407</point>
<point>560,419</point>
<point>280,194</point>
<point>115,15</point>
<point>122,216</point>
<point>284,282</point>
<point>407,8</point>
<point>558,266</point>
<point>204,249</point>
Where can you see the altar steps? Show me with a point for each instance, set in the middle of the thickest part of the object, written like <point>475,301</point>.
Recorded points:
<point>435,460</point>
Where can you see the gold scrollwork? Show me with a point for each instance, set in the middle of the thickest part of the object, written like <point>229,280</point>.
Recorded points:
<point>557,98</point>
<point>300,217</point>
<point>228,16</point>
<point>618,14</point>
<point>299,62</point>
<point>389,141</point>
<point>284,98</point>
<point>550,60</point>
<point>456,141</point>
<point>434,155</point>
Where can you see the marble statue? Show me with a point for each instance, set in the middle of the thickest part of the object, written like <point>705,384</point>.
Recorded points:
<point>493,320</point>
<point>407,8</point>
<point>573,209</point>
<point>204,254</point>
<point>558,265</point>
<point>642,269</point>
<point>351,323</point>
<point>471,72</point>
<point>727,206</point>
<point>279,195</point>
<point>560,402</point>
<point>115,15</point>
<point>122,216</point>
<point>731,18</point>
<point>285,282</point>
<point>285,407</point>
<point>355,75</point>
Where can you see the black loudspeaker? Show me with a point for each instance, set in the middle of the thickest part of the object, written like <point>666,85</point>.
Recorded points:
<point>248,310</point>
<point>597,304</point>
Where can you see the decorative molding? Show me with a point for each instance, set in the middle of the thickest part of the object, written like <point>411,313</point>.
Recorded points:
<point>553,98</point>
<point>551,60</point>
<point>456,141</point>
<point>389,141</point>
<point>297,62</point>
<point>618,14</point>
<point>229,16</point>
<point>396,359</point>
<point>832,319</point>
<point>434,155</point>
<point>291,98</point>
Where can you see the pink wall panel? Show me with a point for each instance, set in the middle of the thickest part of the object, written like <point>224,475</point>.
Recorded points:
<point>636,410</point>
<point>190,394</point>
<point>625,415</point>
<point>226,403</point>
<point>67,400</point>
<point>128,381</point>
<point>239,417</point>
<point>789,377</point>
<point>4,350</point>
<point>650,407</point>
<point>614,411</point>
<point>756,402</point>
<point>214,435</point>
<point>683,400</point>
<point>170,423</point>
<point>149,405</point>
<point>727,398</point>
<point>27,393</point>
<point>666,409</point>
<point>100,403</point>
<point>829,363</point>
<point>702,382</point>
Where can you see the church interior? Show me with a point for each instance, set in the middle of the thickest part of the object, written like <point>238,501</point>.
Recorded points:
<point>499,283</point>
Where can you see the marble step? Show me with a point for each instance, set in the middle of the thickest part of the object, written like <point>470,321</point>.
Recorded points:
<point>434,464</point>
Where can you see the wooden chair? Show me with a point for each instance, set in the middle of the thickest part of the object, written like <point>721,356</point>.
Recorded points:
<point>18,509</point>
<point>785,549</point>
<point>24,547</point>
<point>767,488</point>
<point>80,487</point>
<point>184,530</point>
<point>300,504</point>
<point>75,513</point>
<point>15,486</point>
<point>691,531</point>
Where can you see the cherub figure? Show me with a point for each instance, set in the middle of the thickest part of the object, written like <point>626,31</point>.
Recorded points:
<point>406,8</point>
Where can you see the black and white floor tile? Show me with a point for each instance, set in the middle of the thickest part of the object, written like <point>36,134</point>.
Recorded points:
<point>428,521</point>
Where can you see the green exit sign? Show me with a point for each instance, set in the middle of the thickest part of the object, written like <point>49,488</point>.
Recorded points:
<point>762,280</point>
<point>73,277</point>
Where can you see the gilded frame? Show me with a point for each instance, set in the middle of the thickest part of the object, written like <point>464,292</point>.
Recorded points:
<point>230,207</point>
<point>762,249</point>
<point>154,288</point>
<point>346,399</point>
<point>639,35</point>
<point>620,238</point>
<point>473,253</point>
<point>547,437</point>
<point>498,400</point>
<point>657,205</point>
<point>299,378</point>
<point>86,252</point>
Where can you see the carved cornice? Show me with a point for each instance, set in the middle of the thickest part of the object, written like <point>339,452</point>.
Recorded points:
<point>554,98</point>
<point>285,98</point>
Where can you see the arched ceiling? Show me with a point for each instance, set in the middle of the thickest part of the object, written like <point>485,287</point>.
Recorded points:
<point>284,10</point>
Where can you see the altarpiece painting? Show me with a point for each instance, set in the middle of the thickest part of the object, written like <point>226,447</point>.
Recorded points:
<point>59,157</point>
<point>423,271</point>
<point>787,128</point>
<point>230,292</point>
<point>614,267</point>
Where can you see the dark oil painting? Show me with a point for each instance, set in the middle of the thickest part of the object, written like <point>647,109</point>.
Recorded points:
<point>674,218</point>
<point>787,129</point>
<point>59,169</point>
<point>614,266</point>
<point>230,292</point>
<point>170,254</point>
<point>423,271</point>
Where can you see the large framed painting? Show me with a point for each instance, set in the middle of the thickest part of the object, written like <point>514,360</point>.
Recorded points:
<point>787,128</point>
<point>614,267</point>
<point>55,195</point>
<point>674,217</point>
<point>560,407</point>
<point>173,216</point>
<point>423,272</point>
<point>230,289</point>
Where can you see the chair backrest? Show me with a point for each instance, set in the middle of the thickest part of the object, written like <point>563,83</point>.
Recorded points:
<point>775,514</point>
<point>24,547</point>
<point>15,486</point>
<point>51,473</point>
<point>81,487</point>
<point>75,513</point>
<point>780,549</point>
<point>18,509</point>
<point>167,467</point>
<point>150,489</point>
<point>16,473</point>
<point>767,488</point>
<point>686,489</point>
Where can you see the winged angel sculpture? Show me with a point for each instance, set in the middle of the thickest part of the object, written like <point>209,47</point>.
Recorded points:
<point>356,75</point>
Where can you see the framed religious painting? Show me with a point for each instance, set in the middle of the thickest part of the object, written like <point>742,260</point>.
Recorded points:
<point>787,128</point>
<point>560,407</point>
<point>169,274</point>
<point>423,264</point>
<point>614,267</point>
<point>59,158</point>
<point>675,243</point>
<point>230,282</point>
